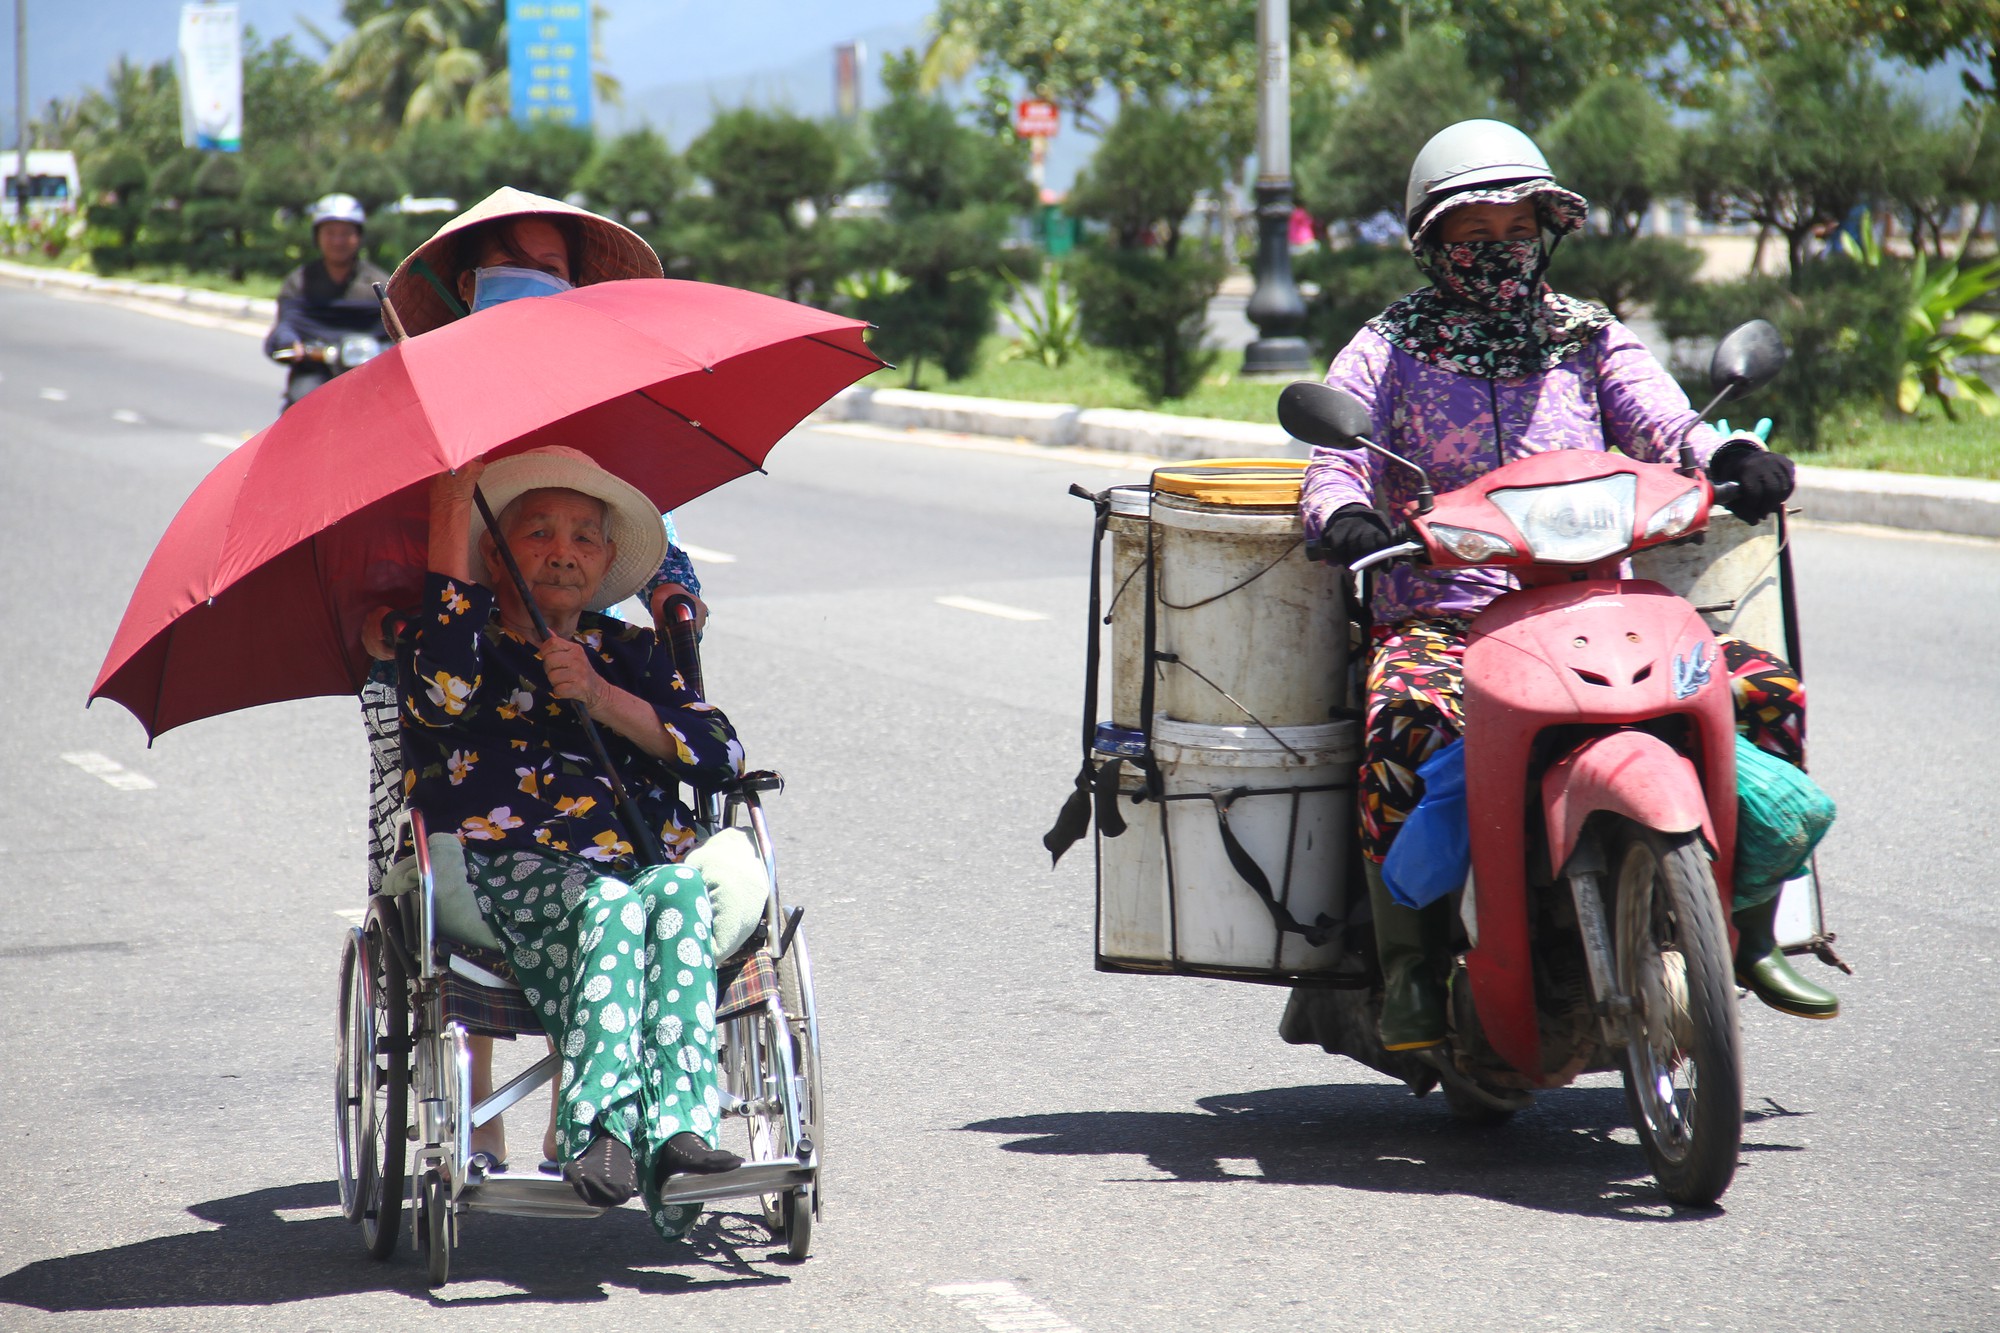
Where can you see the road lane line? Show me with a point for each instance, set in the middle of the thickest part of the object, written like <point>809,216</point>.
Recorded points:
<point>351,915</point>
<point>708,557</point>
<point>996,609</point>
<point>221,441</point>
<point>110,770</point>
<point>128,417</point>
<point>1004,1308</point>
<point>55,395</point>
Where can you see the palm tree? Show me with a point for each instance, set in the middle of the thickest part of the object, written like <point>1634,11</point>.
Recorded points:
<point>432,59</point>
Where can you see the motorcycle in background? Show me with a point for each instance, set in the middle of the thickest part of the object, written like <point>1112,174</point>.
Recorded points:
<point>314,363</point>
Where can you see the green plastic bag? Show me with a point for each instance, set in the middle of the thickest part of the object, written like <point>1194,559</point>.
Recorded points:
<point>1781,815</point>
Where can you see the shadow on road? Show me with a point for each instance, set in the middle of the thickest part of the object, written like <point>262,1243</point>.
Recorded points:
<point>261,1257</point>
<point>1557,1156</point>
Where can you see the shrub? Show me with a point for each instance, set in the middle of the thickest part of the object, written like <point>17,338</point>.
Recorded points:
<point>1356,283</point>
<point>1144,298</point>
<point>1620,272</point>
<point>1841,321</point>
<point>1150,310</point>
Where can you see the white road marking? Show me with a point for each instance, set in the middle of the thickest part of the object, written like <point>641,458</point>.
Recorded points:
<point>55,395</point>
<point>128,417</point>
<point>1004,1308</point>
<point>110,770</point>
<point>995,609</point>
<point>222,441</point>
<point>351,915</point>
<point>708,557</point>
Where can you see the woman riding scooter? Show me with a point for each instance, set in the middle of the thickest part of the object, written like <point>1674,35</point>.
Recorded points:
<point>1486,365</point>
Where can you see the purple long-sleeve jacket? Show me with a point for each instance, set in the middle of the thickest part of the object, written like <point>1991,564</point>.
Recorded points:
<point>1459,427</point>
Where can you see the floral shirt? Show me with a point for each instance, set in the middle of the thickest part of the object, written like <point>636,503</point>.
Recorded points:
<point>1611,393</point>
<point>490,754</point>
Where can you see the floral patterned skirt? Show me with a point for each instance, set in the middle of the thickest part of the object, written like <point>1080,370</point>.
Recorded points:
<point>622,975</point>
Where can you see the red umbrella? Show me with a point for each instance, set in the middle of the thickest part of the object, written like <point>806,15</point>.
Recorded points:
<point>257,590</point>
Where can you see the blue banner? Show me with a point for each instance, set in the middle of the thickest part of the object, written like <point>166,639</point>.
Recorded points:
<point>548,60</point>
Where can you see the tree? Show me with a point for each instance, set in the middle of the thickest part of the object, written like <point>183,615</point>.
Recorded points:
<point>953,193</point>
<point>413,60</point>
<point>1361,165</point>
<point>635,177</point>
<point>1617,146</point>
<point>773,179</point>
<point>1784,152</point>
<point>1145,296</point>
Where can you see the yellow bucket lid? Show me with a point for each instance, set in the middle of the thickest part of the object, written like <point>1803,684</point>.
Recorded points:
<point>1235,481</point>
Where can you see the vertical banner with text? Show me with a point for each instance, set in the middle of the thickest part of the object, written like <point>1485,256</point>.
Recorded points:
<point>210,65</point>
<point>548,60</point>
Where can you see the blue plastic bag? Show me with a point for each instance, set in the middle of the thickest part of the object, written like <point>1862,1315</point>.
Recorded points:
<point>1432,854</point>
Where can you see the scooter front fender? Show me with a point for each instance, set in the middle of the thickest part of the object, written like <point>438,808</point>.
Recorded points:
<point>1629,773</point>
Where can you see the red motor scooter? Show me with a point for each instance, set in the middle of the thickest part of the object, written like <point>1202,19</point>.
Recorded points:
<point>1601,786</point>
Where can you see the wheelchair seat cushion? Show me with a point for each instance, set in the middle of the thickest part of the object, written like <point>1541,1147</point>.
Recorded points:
<point>738,887</point>
<point>458,915</point>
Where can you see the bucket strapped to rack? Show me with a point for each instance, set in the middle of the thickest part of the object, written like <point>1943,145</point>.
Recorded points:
<point>1323,929</point>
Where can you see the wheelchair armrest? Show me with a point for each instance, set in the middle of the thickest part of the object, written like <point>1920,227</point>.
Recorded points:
<point>760,781</point>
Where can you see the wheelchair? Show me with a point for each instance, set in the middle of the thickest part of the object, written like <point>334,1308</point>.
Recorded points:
<point>412,997</point>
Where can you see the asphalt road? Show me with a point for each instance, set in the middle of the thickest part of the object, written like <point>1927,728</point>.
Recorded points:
<point>1126,1153</point>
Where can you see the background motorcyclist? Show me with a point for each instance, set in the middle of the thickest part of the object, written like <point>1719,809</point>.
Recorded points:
<point>1486,365</point>
<point>325,299</point>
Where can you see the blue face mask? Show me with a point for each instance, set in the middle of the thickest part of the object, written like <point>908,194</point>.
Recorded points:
<point>503,283</point>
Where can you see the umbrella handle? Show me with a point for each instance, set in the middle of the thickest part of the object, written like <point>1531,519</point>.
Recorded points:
<point>635,824</point>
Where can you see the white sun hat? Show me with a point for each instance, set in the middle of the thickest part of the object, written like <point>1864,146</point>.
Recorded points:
<point>630,519</point>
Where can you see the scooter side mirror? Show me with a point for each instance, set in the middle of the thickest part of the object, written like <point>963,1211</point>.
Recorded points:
<point>1745,361</point>
<point>1323,415</point>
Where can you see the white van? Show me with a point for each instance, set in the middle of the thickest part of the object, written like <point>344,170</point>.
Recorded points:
<point>53,186</point>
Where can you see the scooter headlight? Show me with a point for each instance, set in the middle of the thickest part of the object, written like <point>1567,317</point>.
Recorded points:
<point>1576,522</point>
<point>1470,544</point>
<point>1676,516</point>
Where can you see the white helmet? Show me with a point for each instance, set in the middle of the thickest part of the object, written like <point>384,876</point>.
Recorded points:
<point>339,208</point>
<point>1490,162</point>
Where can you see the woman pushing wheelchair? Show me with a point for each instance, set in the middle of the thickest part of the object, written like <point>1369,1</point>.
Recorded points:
<point>617,958</point>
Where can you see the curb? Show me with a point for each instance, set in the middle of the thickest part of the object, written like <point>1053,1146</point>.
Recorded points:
<point>259,308</point>
<point>1957,505</point>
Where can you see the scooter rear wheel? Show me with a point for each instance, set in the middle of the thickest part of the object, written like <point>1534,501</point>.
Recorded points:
<point>1683,1063</point>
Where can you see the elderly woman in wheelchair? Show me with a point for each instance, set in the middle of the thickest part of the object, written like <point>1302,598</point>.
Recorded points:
<point>617,960</point>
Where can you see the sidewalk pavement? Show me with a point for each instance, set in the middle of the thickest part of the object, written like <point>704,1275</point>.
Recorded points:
<point>1953,505</point>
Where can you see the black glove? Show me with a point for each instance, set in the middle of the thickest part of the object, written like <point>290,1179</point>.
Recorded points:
<point>1354,531</point>
<point>1763,479</point>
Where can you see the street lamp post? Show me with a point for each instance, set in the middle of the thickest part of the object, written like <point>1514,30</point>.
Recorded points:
<point>1276,307</point>
<point>21,109</point>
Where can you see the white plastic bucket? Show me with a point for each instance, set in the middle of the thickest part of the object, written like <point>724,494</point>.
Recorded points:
<point>1204,918</point>
<point>1125,600</point>
<point>1248,617</point>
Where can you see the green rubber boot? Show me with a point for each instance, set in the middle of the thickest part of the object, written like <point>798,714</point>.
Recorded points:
<point>1763,969</point>
<point>1412,996</point>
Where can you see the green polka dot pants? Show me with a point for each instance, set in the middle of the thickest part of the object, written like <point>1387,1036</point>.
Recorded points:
<point>623,977</point>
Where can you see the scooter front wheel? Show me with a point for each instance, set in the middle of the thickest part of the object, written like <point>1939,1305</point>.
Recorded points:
<point>1684,1058</point>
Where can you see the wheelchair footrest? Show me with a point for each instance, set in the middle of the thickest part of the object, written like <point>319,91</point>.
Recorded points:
<point>525,1196</point>
<point>772,1177</point>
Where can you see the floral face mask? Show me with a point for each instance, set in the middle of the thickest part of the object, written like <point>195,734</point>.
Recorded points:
<point>1498,277</point>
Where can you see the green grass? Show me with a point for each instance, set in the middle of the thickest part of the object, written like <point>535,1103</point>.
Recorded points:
<point>1969,447</point>
<point>1092,378</point>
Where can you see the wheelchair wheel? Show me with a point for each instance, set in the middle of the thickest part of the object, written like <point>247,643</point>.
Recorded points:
<point>384,1073</point>
<point>433,1226</point>
<point>353,1080</point>
<point>796,1210</point>
<point>795,990</point>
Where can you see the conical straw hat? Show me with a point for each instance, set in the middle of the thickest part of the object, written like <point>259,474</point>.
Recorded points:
<point>610,252</point>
